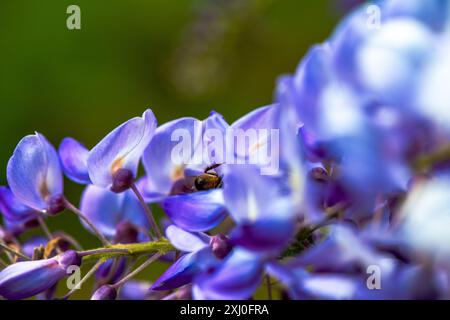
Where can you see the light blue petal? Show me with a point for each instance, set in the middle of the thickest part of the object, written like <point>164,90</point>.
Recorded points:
<point>185,241</point>
<point>103,208</point>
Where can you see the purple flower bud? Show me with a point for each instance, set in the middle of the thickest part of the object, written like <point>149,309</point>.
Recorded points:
<point>221,246</point>
<point>26,279</point>
<point>105,292</point>
<point>56,204</point>
<point>122,180</point>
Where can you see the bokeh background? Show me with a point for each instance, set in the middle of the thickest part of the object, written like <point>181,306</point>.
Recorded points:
<point>178,57</point>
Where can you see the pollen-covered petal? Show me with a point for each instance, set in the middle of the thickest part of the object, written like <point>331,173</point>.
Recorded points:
<point>198,211</point>
<point>121,149</point>
<point>74,157</point>
<point>34,172</point>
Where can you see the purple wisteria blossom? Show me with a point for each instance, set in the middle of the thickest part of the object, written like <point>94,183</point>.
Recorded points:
<point>339,189</point>
<point>34,174</point>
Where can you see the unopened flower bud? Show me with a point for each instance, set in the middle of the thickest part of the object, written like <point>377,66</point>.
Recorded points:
<point>25,279</point>
<point>56,205</point>
<point>105,292</point>
<point>122,180</point>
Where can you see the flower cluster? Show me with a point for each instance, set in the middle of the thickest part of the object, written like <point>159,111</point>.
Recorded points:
<point>358,208</point>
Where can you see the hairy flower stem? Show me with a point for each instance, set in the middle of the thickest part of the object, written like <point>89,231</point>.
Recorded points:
<point>80,214</point>
<point>136,271</point>
<point>82,281</point>
<point>162,246</point>
<point>149,213</point>
<point>101,251</point>
<point>10,250</point>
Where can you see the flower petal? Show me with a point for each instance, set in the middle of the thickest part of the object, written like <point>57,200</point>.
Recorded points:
<point>267,234</point>
<point>34,172</point>
<point>74,157</point>
<point>122,148</point>
<point>107,209</point>
<point>164,163</point>
<point>184,270</point>
<point>102,207</point>
<point>260,122</point>
<point>250,196</point>
<point>236,278</point>
<point>198,211</point>
<point>186,241</point>
<point>12,209</point>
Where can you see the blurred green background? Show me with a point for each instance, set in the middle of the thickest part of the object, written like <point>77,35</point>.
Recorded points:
<point>178,57</point>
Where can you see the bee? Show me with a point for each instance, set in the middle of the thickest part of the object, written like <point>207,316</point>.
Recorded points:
<point>209,179</point>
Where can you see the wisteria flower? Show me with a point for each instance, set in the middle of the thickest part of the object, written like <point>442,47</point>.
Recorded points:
<point>113,162</point>
<point>117,216</point>
<point>34,174</point>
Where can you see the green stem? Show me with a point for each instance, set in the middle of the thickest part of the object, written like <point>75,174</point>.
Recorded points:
<point>269,287</point>
<point>148,212</point>
<point>136,271</point>
<point>162,246</point>
<point>3,263</point>
<point>80,214</point>
<point>44,227</point>
<point>10,250</point>
<point>82,281</point>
